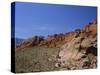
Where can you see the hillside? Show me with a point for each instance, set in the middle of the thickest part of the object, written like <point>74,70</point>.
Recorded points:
<point>71,50</point>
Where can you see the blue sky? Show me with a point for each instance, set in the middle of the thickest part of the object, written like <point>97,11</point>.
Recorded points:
<point>44,19</point>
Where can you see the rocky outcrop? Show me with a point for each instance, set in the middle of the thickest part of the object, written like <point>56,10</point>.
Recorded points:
<point>81,51</point>
<point>78,48</point>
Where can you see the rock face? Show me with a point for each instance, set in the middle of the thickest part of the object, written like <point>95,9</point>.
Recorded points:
<point>78,48</point>
<point>81,52</point>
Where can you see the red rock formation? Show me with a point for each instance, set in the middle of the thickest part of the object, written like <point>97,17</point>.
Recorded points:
<point>81,51</point>
<point>78,48</point>
<point>57,40</point>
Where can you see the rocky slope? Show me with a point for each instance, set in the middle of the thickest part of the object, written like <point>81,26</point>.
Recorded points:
<point>81,51</point>
<point>78,49</point>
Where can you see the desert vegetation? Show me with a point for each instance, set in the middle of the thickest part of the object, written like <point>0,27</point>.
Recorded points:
<point>36,59</point>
